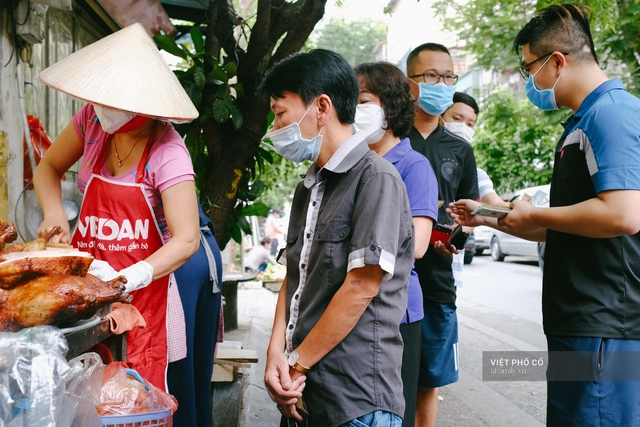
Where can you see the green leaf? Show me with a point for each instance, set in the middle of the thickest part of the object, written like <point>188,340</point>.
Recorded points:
<point>168,44</point>
<point>256,209</point>
<point>198,77</point>
<point>218,74</point>
<point>231,68</point>
<point>265,154</point>
<point>236,234</point>
<point>220,111</point>
<point>244,225</point>
<point>198,42</point>
<point>237,118</point>
<point>222,91</point>
<point>255,190</point>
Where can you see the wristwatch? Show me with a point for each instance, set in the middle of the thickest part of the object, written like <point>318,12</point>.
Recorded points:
<point>293,362</point>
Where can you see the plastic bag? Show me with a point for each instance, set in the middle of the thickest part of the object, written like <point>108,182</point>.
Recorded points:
<point>124,392</point>
<point>84,389</point>
<point>39,141</point>
<point>34,377</point>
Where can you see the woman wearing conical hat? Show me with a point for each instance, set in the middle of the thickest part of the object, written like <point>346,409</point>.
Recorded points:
<point>139,216</point>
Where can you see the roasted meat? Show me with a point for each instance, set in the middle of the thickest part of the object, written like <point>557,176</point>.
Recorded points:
<point>39,244</point>
<point>60,300</point>
<point>8,233</point>
<point>19,266</point>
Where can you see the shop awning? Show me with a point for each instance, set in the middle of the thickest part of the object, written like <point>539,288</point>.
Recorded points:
<point>187,10</point>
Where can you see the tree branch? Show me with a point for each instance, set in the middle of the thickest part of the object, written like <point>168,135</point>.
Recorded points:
<point>224,25</point>
<point>302,21</point>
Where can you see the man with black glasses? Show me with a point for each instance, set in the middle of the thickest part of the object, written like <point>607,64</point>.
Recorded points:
<point>432,82</point>
<point>591,282</point>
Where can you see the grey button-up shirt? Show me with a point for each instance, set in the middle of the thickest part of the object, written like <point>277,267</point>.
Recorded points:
<point>352,212</point>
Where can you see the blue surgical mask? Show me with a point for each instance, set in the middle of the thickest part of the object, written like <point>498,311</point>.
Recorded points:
<point>543,99</point>
<point>435,99</point>
<point>289,143</point>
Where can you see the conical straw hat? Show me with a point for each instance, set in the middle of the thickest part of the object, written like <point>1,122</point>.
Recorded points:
<point>124,71</point>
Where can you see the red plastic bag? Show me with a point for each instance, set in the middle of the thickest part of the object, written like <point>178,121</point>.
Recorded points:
<point>40,142</point>
<point>124,392</point>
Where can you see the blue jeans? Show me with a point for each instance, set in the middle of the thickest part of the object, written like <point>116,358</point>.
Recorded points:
<point>376,419</point>
<point>372,419</point>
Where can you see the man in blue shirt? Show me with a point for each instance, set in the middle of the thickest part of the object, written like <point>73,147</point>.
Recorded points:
<point>591,282</point>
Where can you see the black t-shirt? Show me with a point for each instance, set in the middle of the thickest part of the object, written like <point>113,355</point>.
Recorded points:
<point>455,167</point>
<point>591,286</point>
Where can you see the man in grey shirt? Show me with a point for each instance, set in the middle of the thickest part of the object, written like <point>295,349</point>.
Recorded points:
<point>349,254</point>
<point>258,257</point>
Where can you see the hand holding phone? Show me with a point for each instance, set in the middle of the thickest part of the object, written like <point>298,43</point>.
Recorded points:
<point>440,233</point>
<point>458,238</point>
<point>449,236</point>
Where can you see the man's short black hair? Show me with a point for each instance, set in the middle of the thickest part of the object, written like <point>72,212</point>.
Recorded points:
<point>387,82</point>
<point>466,99</point>
<point>312,74</point>
<point>433,47</point>
<point>562,28</point>
<point>265,240</point>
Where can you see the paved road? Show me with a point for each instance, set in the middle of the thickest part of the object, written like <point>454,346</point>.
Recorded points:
<point>498,310</point>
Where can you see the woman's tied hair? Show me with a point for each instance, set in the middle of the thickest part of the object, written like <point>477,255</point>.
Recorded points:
<point>560,27</point>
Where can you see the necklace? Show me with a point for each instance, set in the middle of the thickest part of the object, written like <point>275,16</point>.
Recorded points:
<point>120,160</point>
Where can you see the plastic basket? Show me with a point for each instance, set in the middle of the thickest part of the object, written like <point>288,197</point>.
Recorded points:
<point>154,419</point>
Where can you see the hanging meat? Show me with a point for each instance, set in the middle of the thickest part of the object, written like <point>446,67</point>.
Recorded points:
<point>19,266</point>
<point>24,261</point>
<point>8,233</point>
<point>39,244</point>
<point>59,300</point>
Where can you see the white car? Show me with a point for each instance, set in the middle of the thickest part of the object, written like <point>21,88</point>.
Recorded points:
<point>483,236</point>
<point>503,244</point>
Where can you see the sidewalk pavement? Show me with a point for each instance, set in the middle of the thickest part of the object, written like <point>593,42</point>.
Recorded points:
<point>256,307</point>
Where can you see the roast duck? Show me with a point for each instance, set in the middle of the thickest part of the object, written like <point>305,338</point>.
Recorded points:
<point>45,283</point>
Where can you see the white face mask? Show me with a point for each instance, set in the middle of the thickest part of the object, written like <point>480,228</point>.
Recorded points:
<point>370,120</point>
<point>460,129</point>
<point>112,120</point>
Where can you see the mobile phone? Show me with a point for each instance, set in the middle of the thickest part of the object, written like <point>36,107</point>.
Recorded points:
<point>440,233</point>
<point>458,238</point>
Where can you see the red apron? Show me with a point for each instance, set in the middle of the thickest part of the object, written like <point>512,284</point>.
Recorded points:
<point>117,225</point>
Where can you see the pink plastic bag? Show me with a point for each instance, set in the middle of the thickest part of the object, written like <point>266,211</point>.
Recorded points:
<point>124,392</point>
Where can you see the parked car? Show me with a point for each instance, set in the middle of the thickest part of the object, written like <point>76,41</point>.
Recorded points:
<point>503,244</point>
<point>482,236</point>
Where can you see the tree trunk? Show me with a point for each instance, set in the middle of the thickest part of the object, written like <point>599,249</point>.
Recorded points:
<point>230,151</point>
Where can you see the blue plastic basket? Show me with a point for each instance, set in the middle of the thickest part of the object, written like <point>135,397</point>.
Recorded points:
<point>151,419</point>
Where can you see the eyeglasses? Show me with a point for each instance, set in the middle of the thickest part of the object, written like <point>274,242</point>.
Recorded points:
<point>433,78</point>
<point>523,69</point>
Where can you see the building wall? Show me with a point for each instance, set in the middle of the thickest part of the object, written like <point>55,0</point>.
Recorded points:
<point>22,93</point>
<point>11,123</point>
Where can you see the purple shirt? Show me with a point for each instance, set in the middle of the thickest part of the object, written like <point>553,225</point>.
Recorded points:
<point>422,189</point>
